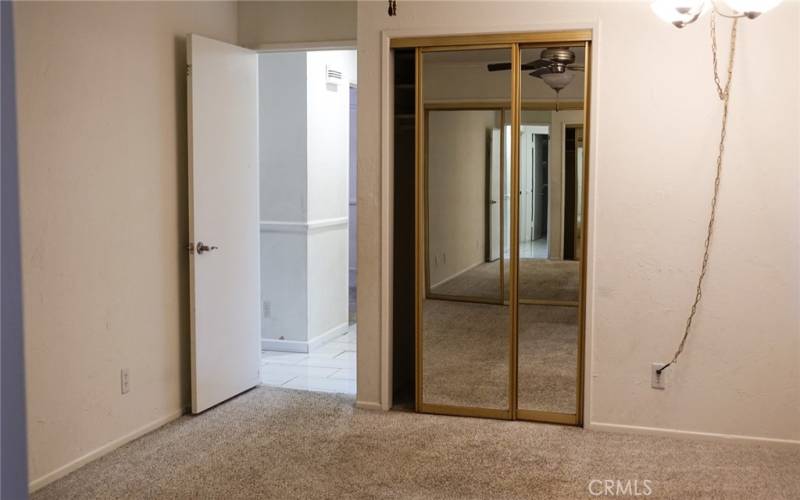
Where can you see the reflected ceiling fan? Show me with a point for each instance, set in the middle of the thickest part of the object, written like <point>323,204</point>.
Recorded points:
<point>556,66</point>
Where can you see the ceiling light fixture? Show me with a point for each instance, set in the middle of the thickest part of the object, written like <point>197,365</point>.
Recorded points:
<point>681,13</point>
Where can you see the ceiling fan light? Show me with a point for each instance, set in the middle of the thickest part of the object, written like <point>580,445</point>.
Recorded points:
<point>679,12</point>
<point>752,8</point>
<point>558,81</point>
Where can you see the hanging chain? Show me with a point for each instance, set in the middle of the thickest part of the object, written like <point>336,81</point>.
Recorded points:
<point>724,95</point>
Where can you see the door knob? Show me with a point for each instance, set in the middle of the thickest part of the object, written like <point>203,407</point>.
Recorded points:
<point>201,248</point>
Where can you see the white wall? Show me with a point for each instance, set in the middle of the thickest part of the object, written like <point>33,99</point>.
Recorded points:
<point>103,184</point>
<point>282,135</point>
<point>287,22</point>
<point>655,133</point>
<point>328,198</point>
<point>284,198</point>
<point>457,154</point>
<point>304,195</point>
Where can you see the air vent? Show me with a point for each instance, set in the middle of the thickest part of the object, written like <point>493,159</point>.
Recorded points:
<point>332,76</point>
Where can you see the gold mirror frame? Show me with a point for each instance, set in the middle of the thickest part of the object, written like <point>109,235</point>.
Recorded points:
<point>490,41</point>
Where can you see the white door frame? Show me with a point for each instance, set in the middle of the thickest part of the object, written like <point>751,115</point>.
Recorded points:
<point>387,201</point>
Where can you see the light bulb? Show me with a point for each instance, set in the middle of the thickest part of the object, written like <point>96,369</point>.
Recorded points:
<point>752,8</point>
<point>680,12</point>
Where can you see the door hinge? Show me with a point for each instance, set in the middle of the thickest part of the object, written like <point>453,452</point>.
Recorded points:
<point>188,70</point>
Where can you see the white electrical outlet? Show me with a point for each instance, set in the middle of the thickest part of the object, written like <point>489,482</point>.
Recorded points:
<point>124,381</point>
<point>658,381</point>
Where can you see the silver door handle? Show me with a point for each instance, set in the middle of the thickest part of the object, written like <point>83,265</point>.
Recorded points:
<point>201,248</point>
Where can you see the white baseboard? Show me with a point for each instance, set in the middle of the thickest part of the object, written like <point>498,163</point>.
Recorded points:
<point>456,275</point>
<point>693,435</point>
<point>284,345</point>
<point>301,345</point>
<point>368,405</point>
<point>76,464</point>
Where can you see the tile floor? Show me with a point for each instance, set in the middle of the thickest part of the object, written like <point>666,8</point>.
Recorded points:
<point>330,367</point>
<point>536,249</point>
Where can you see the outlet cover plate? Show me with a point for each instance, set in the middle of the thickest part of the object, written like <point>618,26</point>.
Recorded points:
<point>658,381</point>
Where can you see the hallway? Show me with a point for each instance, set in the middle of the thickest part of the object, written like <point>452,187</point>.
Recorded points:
<point>329,368</point>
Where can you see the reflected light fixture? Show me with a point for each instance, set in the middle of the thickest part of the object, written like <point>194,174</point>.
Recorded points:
<point>558,81</point>
<point>681,13</point>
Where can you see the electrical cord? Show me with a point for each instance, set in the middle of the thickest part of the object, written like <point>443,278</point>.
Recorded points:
<point>724,95</point>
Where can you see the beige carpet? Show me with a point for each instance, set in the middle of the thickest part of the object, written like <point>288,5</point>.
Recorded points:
<point>538,279</point>
<point>284,444</point>
<point>466,355</point>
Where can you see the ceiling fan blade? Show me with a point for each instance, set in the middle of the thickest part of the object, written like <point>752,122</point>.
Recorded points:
<point>499,66</point>
<point>576,67</point>
<point>540,71</point>
<point>540,63</point>
<point>507,66</point>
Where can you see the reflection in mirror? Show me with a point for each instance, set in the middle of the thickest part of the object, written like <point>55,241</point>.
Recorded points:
<point>464,200</point>
<point>466,333</point>
<point>550,201</point>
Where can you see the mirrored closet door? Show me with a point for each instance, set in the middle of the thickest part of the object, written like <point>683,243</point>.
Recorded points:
<point>550,243</point>
<point>465,338</point>
<point>500,211</point>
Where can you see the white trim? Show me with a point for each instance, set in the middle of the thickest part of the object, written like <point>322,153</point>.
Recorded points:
<point>694,435</point>
<point>306,46</point>
<point>284,345</point>
<point>386,246</point>
<point>322,224</point>
<point>107,448</point>
<point>368,405</point>
<point>303,345</point>
<point>314,226</point>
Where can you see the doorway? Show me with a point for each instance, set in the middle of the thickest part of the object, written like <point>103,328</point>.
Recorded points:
<point>270,212</point>
<point>308,210</point>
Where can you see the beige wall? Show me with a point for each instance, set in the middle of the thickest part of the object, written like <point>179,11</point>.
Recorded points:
<point>291,22</point>
<point>102,145</point>
<point>457,157</point>
<point>655,133</point>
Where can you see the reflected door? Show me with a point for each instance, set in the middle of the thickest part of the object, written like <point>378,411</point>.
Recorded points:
<point>494,195</point>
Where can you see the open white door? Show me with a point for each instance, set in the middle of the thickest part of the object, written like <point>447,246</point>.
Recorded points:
<point>495,195</point>
<point>223,216</point>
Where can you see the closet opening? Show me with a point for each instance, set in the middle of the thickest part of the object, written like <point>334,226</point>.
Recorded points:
<point>489,221</point>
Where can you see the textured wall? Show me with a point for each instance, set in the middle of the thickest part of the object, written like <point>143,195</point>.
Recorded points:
<point>103,181</point>
<point>655,133</point>
<point>279,22</point>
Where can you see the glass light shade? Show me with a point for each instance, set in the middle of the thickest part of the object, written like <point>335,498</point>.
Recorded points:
<point>679,12</point>
<point>752,6</point>
<point>558,81</point>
